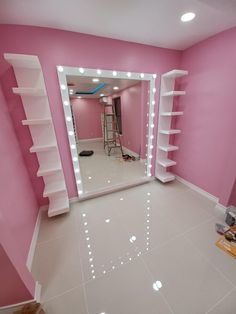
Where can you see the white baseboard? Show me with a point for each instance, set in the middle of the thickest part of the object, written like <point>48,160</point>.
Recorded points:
<point>18,306</point>
<point>33,243</point>
<point>221,207</point>
<point>130,152</point>
<point>197,189</point>
<point>98,139</point>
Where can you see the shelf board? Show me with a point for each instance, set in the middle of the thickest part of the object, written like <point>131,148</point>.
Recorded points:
<point>166,162</point>
<point>165,177</point>
<point>29,91</point>
<point>58,206</point>
<point>46,171</point>
<point>171,113</point>
<point>37,121</point>
<point>22,61</point>
<point>53,188</point>
<point>169,132</point>
<point>174,93</point>
<point>42,148</point>
<point>168,148</point>
<point>175,74</point>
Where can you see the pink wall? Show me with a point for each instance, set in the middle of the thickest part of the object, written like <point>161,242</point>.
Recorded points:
<point>207,142</point>
<point>131,110</point>
<point>232,200</point>
<point>87,115</point>
<point>18,209</point>
<point>56,47</point>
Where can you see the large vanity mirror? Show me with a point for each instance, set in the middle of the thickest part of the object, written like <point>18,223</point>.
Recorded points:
<point>109,117</point>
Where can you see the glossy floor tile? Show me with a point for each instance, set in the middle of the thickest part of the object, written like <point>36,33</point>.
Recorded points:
<point>101,171</point>
<point>147,249</point>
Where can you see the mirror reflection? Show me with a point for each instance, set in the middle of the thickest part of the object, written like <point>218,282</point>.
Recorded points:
<point>110,123</point>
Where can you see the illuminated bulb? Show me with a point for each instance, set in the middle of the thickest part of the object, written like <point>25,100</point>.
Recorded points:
<point>101,95</point>
<point>91,266</point>
<point>79,97</point>
<point>92,271</point>
<point>151,146</point>
<point>130,259</point>
<point>89,246</point>
<point>148,201</point>
<point>60,68</point>
<point>80,192</point>
<point>154,76</point>
<point>153,114</point>
<point>152,126</point>
<point>91,259</point>
<point>87,238</point>
<point>95,80</point>
<point>66,103</point>
<point>108,181</point>
<point>115,87</point>
<point>76,170</point>
<point>121,199</point>
<point>128,74</point>
<point>150,166</point>
<point>154,90</point>
<point>152,137</point>
<point>187,17</point>
<point>157,285</point>
<point>104,272</point>
<point>72,146</point>
<point>71,90</point>
<point>132,239</point>
<point>150,156</point>
<point>122,263</point>
<point>81,70</point>
<point>79,182</point>
<point>94,277</point>
<point>142,75</point>
<point>75,159</point>
<point>71,133</point>
<point>63,87</point>
<point>99,72</point>
<point>89,178</point>
<point>149,175</point>
<point>107,220</point>
<point>68,118</point>
<point>153,102</point>
<point>84,215</point>
<point>113,267</point>
<point>114,73</point>
<point>85,223</point>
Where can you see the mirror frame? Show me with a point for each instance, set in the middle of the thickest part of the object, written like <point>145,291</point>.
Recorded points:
<point>64,71</point>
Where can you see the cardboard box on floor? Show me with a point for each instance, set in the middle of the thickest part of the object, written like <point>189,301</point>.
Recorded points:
<point>32,308</point>
<point>227,246</point>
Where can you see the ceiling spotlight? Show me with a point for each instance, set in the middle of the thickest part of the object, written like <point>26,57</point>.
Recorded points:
<point>95,80</point>
<point>115,87</point>
<point>187,17</point>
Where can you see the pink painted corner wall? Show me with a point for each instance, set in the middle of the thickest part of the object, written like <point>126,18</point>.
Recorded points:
<point>56,47</point>
<point>18,210</point>
<point>131,113</point>
<point>87,115</point>
<point>208,125</point>
<point>10,283</point>
<point>232,200</point>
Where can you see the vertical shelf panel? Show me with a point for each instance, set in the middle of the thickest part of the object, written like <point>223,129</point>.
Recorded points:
<point>167,94</point>
<point>31,88</point>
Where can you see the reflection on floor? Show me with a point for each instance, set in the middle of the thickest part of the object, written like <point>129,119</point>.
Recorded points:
<point>147,250</point>
<point>101,171</point>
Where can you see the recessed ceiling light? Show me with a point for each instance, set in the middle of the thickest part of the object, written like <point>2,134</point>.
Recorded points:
<point>187,17</point>
<point>115,87</point>
<point>95,80</point>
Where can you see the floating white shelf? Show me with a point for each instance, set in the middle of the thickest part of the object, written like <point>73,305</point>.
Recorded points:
<point>54,187</point>
<point>164,124</point>
<point>168,148</point>
<point>42,148</point>
<point>169,132</point>
<point>22,61</point>
<point>29,91</point>
<point>166,162</point>
<point>171,114</point>
<point>36,121</point>
<point>31,88</point>
<point>165,176</point>
<point>175,74</point>
<point>47,171</point>
<point>173,93</point>
<point>58,206</point>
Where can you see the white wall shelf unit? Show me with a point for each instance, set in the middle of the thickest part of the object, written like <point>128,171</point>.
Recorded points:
<point>31,88</point>
<point>166,113</point>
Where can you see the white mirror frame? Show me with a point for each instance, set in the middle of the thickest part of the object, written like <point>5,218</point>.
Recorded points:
<point>63,71</point>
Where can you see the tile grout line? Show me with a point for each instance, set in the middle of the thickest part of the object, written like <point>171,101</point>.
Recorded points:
<point>219,301</point>
<point>152,277</point>
<point>211,263</point>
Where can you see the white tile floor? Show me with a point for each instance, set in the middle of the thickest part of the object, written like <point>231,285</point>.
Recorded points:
<point>101,171</point>
<point>105,256</point>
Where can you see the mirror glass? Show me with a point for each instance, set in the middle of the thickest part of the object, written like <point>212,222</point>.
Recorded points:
<point>109,117</point>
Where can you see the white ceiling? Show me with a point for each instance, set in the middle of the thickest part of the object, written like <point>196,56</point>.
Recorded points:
<point>153,22</point>
<point>81,83</point>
